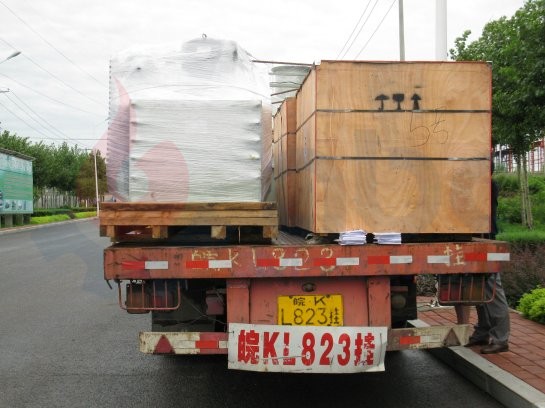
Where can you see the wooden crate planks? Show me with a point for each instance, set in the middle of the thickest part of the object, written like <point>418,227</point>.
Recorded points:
<point>357,85</point>
<point>152,220</point>
<point>284,139</point>
<point>401,147</point>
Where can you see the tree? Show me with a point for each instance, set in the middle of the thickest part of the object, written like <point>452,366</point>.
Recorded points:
<point>66,164</point>
<point>516,47</point>
<point>41,154</point>
<point>86,182</point>
<point>59,167</point>
<point>41,165</point>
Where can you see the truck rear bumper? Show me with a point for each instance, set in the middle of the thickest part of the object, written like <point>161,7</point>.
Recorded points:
<point>314,349</point>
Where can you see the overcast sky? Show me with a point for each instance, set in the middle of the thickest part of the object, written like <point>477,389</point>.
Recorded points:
<point>58,85</point>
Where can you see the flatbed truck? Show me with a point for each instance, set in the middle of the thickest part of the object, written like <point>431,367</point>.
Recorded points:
<point>282,303</point>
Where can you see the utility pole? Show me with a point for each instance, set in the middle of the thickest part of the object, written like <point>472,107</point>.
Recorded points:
<point>401,32</point>
<point>94,153</point>
<point>441,30</point>
<point>96,183</point>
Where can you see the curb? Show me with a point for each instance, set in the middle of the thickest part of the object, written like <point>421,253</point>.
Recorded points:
<point>5,231</point>
<point>503,386</point>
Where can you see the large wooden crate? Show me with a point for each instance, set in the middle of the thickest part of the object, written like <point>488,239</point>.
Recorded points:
<point>394,146</point>
<point>284,140</point>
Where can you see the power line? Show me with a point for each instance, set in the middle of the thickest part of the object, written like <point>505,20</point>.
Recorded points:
<point>50,44</point>
<point>26,113</point>
<point>376,29</point>
<point>63,82</point>
<point>354,29</point>
<point>25,122</point>
<point>50,98</point>
<point>44,124</point>
<point>53,75</point>
<point>43,120</point>
<point>360,30</point>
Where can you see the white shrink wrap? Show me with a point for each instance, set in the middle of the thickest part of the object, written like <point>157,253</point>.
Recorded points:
<point>285,81</point>
<point>189,125</point>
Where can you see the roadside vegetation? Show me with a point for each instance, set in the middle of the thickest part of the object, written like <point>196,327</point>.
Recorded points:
<point>532,305</point>
<point>46,216</point>
<point>62,171</point>
<point>526,271</point>
<point>67,170</point>
<point>516,50</point>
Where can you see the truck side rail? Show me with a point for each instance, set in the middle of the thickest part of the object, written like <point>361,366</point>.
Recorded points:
<point>141,262</point>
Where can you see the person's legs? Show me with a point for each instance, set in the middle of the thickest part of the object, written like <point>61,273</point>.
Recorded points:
<point>498,315</point>
<point>462,313</point>
<point>498,310</point>
<point>480,336</point>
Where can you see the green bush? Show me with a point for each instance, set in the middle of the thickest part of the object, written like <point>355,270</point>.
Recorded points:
<point>509,210</point>
<point>509,202</point>
<point>538,207</point>
<point>49,219</point>
<point>525,271</point>
<point>44,212</point>
<point>523,239</point>
<point>532,305</point>
<point>536,184</point>
<point>83,209</point>
<point>85,214</point>
<point>508,183</point>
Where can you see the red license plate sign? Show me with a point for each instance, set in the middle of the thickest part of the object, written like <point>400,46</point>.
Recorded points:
<point>306,349</point>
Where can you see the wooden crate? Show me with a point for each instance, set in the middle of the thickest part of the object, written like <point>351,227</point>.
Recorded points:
<point>284,139</point>
<point>137,221</point>
<point>394,146</point>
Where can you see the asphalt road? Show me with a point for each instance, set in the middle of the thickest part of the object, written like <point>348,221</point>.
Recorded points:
<point>64,342</point>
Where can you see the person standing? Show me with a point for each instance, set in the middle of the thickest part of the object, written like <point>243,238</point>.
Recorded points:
<point>493,324</point>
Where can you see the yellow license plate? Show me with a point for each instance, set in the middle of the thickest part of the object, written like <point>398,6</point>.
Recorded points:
<point>310,310</point>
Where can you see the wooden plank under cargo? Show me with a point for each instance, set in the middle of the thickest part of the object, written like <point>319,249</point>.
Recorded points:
<point>394,146</point>
<point>119,219</point>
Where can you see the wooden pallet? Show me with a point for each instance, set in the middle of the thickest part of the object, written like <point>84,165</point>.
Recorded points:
<point>144,221</point>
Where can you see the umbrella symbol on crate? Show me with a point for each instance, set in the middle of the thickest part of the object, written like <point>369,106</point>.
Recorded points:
<point>381,98</point>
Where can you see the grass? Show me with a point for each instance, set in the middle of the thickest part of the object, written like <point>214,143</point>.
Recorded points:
<point>87,214</point>
<point>517,233</point>
<point>60,217</point>
<point>48,219</point>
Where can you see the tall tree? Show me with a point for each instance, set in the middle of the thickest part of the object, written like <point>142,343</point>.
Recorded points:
<point>516,48</point>
<point>87,178</point>
<point>58,167</point>
<point>65,169</point>
<point>41,153</point>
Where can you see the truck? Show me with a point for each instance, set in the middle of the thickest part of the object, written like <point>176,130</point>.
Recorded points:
<point>400,149</point>
<point>289,305</point>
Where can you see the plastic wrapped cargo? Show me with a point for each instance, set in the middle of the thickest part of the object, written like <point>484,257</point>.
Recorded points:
<point>191,124</point>
<point>285,81</point>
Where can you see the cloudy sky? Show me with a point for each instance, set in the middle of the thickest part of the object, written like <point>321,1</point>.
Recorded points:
<point>58,85</point>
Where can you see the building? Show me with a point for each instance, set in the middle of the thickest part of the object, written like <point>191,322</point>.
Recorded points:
<point>504,158</point>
